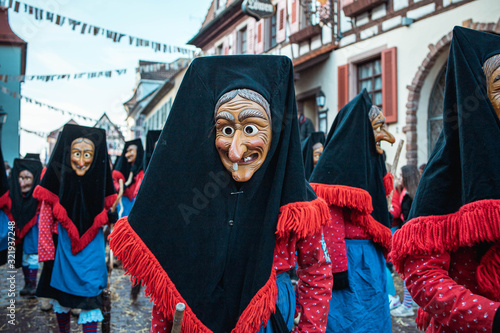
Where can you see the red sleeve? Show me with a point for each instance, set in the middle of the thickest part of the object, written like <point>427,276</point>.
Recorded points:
<point>395,205</point>
<point>158,322</point>
<point>46,248</point>
<point>138,182</point>
<point>314,289</point>
<point>117,175</point>
<point>448,303</point>
<point>335,240</point>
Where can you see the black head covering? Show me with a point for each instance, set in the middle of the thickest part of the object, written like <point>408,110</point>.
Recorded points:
<point>213,237</point>
<point>151,139</point>
<point>80,203</point>
<point>5,202</point>
<point>24,207</point>
<point>462,171</point>
<point>124,167</point>
<point>32,156</point>
<point>307,151</point>
<point>351,159</point>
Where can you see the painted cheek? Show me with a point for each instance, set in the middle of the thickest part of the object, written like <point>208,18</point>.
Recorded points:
<point>255,143</point>
<point>223,144</point>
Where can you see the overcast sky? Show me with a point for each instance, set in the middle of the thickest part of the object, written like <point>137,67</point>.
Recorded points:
<point>54,49</point>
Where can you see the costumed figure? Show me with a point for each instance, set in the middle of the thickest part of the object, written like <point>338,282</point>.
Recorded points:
<point>312,148</point>
<point>127,175</point>
<point>26,174</point>
<point>306,126</point>
<point>7,225</point>
<point>352,178</point>
<point>76,193</point>
<point>217,226</point>
<point>448,252</point>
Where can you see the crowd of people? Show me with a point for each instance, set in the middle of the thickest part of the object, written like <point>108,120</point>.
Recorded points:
<point>238,196</point>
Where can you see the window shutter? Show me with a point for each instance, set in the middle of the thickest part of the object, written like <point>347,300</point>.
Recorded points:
<point>281,21</point>
<point>389,85</point>
<point>294,20</point>
<point>343,85</point>
<point>251,36</point>
<point>259,46</point>
<point>225,46</point>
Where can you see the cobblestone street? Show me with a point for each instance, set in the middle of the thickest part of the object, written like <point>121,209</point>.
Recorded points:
<point>125,315</point>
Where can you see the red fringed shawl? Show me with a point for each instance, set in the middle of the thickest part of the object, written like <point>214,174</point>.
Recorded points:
<point>360,203</point>
<point>6,205</point>
<point>302,218</point>
<point>77,243</point>
<point>388,183</point>
<point>475,223</point>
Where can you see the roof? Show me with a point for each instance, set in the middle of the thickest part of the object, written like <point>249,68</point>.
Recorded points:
<point>105,118</point>
<point>8,37</point>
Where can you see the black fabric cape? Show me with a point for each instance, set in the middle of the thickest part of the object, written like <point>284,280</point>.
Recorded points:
<point>24,207</point>
<point>351,159</point>
<point>124,167</point>
<point>215,238</point>
<point>80,204</point>
<point>307,151</point>
<point>462,174</point>
<point>151,139</point>
<point>32,156</point>
<point>4,182</point>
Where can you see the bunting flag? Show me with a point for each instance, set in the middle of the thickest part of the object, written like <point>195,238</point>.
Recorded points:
<point>89,29</point>
<point>40,134</point>
<point>15,94</point>
<point>57,77</point>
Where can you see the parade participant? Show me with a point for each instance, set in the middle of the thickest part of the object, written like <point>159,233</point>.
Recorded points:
<point>306,126</point>
<point>25,177</point>
<point>352,178</point>
<point>449,251</point>
<point>207,224</point>
<point>76,193</point>
<point>128,173</point>
<point>312,148</point>
<point>151,141</point>
<point>5,212</point>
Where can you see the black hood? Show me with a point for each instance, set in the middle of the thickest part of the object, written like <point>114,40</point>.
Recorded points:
<point>307,151</point>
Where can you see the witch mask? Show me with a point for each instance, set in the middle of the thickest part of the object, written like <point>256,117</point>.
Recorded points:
<point>131,154</point>
<point>25,181</point>
<point>317,151</point>
<point>243,132</point>
<point>380,130</point>
<point>82,155</point>
<point>492,71</point>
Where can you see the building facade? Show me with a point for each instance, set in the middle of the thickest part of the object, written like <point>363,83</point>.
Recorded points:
<point>396,49</point>
<point>12,62</point>
<point>114,137</point>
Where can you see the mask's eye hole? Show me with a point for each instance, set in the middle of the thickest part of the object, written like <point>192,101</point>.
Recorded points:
<point>76,154</point>
<point>250,129</point>
<point>228,131</point>
<point>87,155</point>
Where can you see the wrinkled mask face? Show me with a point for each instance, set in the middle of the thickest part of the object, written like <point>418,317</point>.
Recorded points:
<point>243,137</point>
<point>131,154</point>
<point>494,90</point>
<point>25,181</point>
<point>317,151</point>
<point>380,129</point>
<point>82,155</point>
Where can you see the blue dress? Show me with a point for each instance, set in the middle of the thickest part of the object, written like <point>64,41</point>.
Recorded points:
<point>285,302</point>
<point>4,231</point>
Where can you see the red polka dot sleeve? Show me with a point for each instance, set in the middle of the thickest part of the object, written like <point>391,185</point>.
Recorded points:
<point>335,240</point>
<point>46,225</point>
<point>158,322</point>
<point>445,286</point>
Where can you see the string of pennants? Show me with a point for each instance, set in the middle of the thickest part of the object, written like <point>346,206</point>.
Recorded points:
<point>15,94</point>
<point>86,28</point>
<point>57,77</point>
<point>40,134</point>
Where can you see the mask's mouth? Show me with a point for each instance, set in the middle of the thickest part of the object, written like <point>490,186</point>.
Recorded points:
<point>84,167</point>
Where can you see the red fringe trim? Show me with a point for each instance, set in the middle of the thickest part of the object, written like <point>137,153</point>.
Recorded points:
<point>302,218</point>
<point>141,264</point>
<point>379,234</point>
<point>388,183</point>
<point>488,273</point>
<point>344,196</point>
<point>423,319</point>
<point>27,227</point>
<point>77,243</point>
<point>476,222</point>
<point>6,205</point>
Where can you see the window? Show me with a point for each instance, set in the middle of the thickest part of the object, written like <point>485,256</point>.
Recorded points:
<point>219,6</point>
<point>242,38</point>
<point>219,49</point>
<point>370,77</point>
<point>271,32</point>
<point>435,113</point>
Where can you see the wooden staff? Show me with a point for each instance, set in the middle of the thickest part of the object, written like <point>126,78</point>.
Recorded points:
<point>106,293</point>
<point>178,316</point>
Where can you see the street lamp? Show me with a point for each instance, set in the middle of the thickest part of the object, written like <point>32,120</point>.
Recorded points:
<point>321,99</point>
<point>3,119</point>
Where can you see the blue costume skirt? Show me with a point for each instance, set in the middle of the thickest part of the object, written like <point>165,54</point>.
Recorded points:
<point>285,301</point>
<point>124,206</point>
<point>363,306</point>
